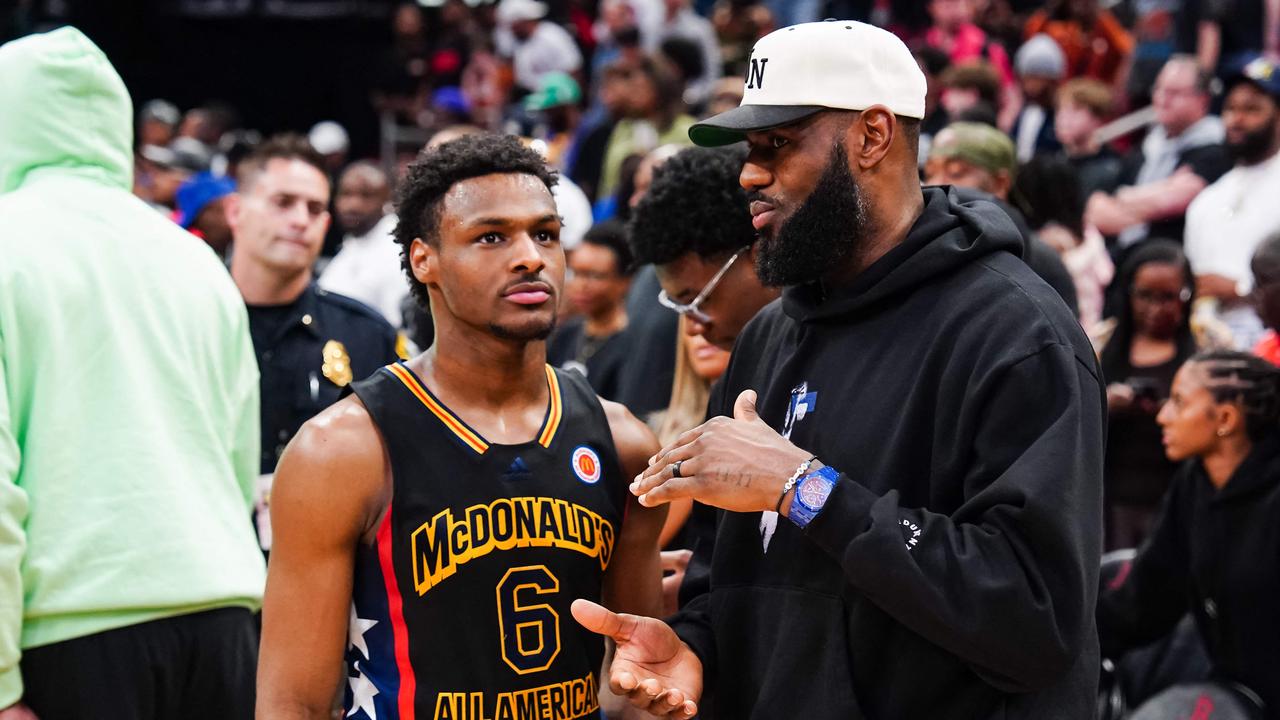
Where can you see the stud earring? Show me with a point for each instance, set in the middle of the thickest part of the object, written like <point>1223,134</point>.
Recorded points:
<point>1222,432</point>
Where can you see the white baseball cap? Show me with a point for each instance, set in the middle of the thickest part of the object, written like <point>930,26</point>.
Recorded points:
<point>328,137</point>
<point>804,69</point>
<point>513,11</point>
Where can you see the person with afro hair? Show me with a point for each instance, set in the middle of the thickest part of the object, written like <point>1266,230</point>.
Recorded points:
<point>694,226</point>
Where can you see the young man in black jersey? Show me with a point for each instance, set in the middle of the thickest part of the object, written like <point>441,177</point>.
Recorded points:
<point>437,526</point>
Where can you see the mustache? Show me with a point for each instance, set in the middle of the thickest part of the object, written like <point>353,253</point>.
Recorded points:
<point>756,195</point>
<point>526,279</point>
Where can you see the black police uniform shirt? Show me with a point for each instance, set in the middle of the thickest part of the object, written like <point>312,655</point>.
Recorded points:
<point>1216,554</point>
<point>953,570</point>
<point>308,351</point>
<point>461,602</point>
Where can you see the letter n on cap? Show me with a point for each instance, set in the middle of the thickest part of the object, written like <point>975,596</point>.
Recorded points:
<point>755,78</point>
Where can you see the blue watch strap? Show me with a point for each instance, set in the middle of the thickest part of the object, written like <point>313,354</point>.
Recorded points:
<point>811,495</point>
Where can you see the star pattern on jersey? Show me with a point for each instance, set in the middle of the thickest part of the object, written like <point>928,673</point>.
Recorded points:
<point>362,693</point>
<point>356,628</point>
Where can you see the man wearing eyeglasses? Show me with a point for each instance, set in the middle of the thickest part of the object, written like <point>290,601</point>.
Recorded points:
<point>695,228</point>
<point>693,225</point>
<point>911,472</point>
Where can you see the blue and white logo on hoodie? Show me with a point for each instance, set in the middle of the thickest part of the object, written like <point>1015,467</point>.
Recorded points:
<point>803,402</point>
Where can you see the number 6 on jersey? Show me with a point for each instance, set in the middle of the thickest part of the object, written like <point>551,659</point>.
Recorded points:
<point>530,632</point>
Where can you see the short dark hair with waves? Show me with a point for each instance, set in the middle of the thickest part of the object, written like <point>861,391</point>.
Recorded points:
<point>436,170</point>
<point>286,146</point>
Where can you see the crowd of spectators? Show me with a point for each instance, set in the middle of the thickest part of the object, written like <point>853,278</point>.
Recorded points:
<point>1133,145</point>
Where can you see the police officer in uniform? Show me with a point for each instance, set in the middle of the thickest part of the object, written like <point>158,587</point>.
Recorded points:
<point>310,343</point>
<point>320,345</point>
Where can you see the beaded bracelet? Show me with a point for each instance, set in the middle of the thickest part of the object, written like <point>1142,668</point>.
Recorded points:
<point>791,482</point>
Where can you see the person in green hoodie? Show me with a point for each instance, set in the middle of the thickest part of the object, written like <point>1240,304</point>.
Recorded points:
<point>129,569</point>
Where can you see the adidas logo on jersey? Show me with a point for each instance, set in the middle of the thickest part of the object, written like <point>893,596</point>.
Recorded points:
<point>518,472</point>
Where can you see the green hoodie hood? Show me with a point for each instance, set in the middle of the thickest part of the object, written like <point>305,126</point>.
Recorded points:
<point>63,106</point>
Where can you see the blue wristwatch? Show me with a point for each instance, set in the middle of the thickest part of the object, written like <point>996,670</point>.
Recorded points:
<point>811,494</point>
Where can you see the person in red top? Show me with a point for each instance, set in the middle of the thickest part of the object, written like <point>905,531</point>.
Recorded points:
<point>1094,41</point>
<point>954,32</point>
<point>1266,296</point>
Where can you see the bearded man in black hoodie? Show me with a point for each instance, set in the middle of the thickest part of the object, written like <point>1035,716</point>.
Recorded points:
<point>912,465</point>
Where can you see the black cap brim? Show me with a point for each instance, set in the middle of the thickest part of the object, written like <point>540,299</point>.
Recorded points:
<point>732,126</point>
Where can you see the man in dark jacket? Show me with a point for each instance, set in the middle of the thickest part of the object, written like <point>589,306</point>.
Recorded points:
<point>913,465</point>
<point>310,343</point>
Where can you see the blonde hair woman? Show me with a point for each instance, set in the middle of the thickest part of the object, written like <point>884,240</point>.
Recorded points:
<point>698,364</point>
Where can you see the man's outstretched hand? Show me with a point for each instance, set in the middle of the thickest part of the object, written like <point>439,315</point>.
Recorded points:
<point>652,667</point>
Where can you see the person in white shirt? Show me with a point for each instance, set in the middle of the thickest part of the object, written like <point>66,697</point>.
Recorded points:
<point>1180,156</point>
<point>1227,222</point>
<point>535,46</point>
<point>367,267</point>
<point>575,212</point>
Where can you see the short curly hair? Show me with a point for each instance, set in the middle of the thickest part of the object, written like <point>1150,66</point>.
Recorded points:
<point>437,169</point>
<point>694,204</point>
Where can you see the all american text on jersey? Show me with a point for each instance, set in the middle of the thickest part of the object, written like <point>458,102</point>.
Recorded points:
<point>561,701</point>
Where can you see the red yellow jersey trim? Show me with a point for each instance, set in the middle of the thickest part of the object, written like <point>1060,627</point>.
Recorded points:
<point>459,428</point>
<point>469,437</point>
<point>555,410</point>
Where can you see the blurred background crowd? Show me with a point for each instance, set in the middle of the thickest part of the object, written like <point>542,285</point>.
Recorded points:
<point>1133,143</point>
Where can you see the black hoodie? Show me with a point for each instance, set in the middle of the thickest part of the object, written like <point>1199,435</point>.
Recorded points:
<point>1215,553</point>
<point>953,571</point>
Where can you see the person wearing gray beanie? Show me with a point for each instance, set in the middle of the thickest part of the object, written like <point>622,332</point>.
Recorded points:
<point>1040,57</point>
<point>1040,65</point>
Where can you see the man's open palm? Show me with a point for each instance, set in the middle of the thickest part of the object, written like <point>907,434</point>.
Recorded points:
<point>652,667</point>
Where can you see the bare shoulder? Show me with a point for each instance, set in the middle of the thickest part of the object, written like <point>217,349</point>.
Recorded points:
<point>337,460</point>
<point>343,433</point>
<point>634,440</point>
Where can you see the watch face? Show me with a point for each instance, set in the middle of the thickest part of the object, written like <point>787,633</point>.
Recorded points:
<point>813,492</point>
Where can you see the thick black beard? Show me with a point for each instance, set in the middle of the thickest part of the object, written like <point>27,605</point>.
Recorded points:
<point>822,234</point>
<point>1255,147</point>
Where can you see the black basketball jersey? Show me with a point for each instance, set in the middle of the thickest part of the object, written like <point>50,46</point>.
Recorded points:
<point>461,605</point>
